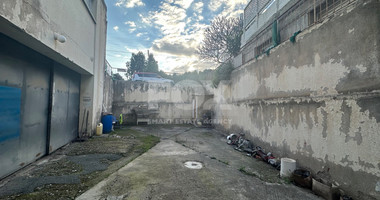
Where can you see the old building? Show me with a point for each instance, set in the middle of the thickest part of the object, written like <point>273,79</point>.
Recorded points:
<point>52,57</point>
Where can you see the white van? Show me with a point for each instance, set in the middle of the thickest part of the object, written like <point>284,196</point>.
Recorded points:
<point>150,77</point>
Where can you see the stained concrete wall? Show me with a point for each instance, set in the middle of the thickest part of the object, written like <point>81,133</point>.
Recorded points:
<point>34,23</point>
<point>42,18</point>
<point>99,63</point>
<point>107,93</point>
<point>318,100</point>
<point>184,100</point>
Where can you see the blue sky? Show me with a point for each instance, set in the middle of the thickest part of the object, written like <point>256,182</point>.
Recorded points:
<point>170,29</point>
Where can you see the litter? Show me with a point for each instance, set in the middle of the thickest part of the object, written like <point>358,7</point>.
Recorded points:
<point>245,145</point>
<point>302,178</point>
<point>320,185</point>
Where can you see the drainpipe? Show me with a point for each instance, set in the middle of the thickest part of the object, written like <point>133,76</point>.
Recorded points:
<point>274,34</point>
<point>275,38</point>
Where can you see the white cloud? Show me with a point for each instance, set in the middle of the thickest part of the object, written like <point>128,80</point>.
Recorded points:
<point>198,7</point>
<point>129,3</point>
<point>130,23</point>
<point>170,19</point>
<point>231,8</point>
<point>175,50</point>
<point>182,34</point>
<point>185,4</point>
<point>136,50</point>
<point>116,28</point>
<point>145,20</point>
<point>215,5</point>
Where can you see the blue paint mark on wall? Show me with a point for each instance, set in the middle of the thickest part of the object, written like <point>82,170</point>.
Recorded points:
<point>10,104</point>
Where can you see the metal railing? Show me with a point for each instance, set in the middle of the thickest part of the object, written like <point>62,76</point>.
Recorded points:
<point>299,16</point>
<point>253,9</point>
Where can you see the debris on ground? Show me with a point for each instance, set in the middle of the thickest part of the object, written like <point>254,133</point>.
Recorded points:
<point>321,183</point>
<point>245,145</point>
<point>302,178</point>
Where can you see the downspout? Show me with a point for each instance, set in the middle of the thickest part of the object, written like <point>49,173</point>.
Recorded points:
<point>275,38</point>
<point>274,34</point>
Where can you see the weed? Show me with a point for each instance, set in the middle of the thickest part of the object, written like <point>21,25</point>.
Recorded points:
<point>224,162</point>
<point>244,171</point>
<point>141,143</point>
<point>287,180</point>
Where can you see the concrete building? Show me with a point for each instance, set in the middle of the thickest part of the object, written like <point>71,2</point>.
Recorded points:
<point>52,57</point>
<point>312,93</point>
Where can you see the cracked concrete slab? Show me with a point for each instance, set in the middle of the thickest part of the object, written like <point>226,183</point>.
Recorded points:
<point>160,173</point>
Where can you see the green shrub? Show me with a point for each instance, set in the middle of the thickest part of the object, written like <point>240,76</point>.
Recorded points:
<point>223,72</point>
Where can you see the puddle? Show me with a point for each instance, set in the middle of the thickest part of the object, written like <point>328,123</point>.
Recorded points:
<point>193,165</point>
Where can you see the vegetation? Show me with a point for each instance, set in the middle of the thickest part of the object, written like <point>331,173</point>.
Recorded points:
<point>151,64</point>
<point>224,162</point>
<point>207,74</point>
<point>244,171</point>
<point>223,72</point>
<point>221,43</point>
<point>117,77</point>
<point>138,63</point>
<point>138,143</point>
<point>221,39</point>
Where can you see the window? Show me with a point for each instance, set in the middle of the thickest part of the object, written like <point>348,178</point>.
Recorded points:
<point>263,47</point>
<point>323,9</point>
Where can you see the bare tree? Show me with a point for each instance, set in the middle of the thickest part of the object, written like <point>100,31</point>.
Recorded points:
<point>221,39</point>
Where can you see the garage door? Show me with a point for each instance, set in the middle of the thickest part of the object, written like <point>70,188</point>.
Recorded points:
<point>24,96</point>
<point>65,109</point>
<point>25,79</point>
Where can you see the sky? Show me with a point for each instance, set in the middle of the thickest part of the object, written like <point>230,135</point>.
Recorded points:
<point>171,30</point>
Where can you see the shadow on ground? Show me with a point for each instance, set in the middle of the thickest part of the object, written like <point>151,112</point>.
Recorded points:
<point>110,167</point>
<point>216,171</point>
<point>75,168</point>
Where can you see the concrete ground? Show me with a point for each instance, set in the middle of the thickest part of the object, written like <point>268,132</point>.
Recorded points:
<point>161,173</point>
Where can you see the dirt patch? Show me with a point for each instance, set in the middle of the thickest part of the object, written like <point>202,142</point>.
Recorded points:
<point>109,144</point>
<point>57,168</point>
<point>82,165</point>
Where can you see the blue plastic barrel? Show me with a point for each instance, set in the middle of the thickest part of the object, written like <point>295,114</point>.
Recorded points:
<point>107,123</point>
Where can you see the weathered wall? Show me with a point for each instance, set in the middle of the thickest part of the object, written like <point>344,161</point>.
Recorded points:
<point>107,93</point>
<point>34,23</point>
<point>99,62</point>
<point>183,100</point>
<point>40,19</point>
<point>317,100</point>
<point>22,139</point>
